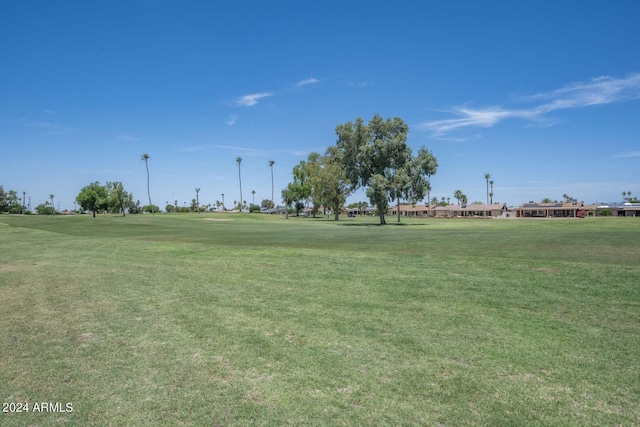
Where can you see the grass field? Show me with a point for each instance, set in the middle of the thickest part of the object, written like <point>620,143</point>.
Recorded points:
<point>207,320</point>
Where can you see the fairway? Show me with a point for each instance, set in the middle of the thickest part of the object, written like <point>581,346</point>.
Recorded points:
<point>224,319</point>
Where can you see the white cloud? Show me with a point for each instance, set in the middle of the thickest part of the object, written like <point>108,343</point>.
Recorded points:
<point>308,81</point>
<point>359,84</point>
<point>194,148</point>
<point>47,128</point>
<point>127,138</point>
<point>262,153</point>
<point>627,155</point>
<point>486,118</point>
<point>232,120</point>
<point>252,99</point>
<point>597,91</point>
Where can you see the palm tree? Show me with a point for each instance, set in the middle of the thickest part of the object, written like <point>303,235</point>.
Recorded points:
<point>458,195</point>
<point>253,197</point>
<point>223,208</point>
<point>197,199</point>
<point>146,158</point>
<point>52,205</point>
<point>486,177</point>
<point>629,196</point>
<point>239,162</point>
<point>271,163</point>
<point>491,193</point>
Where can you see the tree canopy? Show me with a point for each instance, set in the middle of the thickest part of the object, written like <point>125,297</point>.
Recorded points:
<point>93,197</point>
<point>376,156</point>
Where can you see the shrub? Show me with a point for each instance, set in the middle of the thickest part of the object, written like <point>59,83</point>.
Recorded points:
<point>44,209</point>
<point>605,212</point>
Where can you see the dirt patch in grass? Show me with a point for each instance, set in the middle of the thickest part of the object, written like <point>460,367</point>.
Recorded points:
<point>548,270</point>
<point>217,219</point>
<point>87,336</point>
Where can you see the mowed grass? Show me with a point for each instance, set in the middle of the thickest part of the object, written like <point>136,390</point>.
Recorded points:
<point>253,320</point>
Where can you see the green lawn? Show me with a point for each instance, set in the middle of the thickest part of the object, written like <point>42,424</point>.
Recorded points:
<point>254,320</point>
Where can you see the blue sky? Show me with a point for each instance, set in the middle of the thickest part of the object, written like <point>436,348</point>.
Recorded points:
<point>544,96</point>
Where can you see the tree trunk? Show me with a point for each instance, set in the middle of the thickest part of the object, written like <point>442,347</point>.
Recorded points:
<point>381,214</point>
<point>398,208</point>
<point>148,190</point>
<point>94,214</point>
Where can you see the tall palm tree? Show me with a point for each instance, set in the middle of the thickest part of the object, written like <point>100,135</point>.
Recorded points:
<point>271,163</point>
<point>458,195</point>
<point>486,177</point>
<point>491,193</point>
<point>624,198</point>
<point>253,197</point>
<point>197,199</point>
<point>629,196</point>
<point>51,196</point>
<point>239,162</point>
<point>223,208</point>
<point>146,158</point>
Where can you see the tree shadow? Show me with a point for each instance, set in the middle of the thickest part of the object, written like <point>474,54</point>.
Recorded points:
<point>388,224</point>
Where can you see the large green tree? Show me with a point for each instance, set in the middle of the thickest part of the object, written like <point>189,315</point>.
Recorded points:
<point>311,170</point>
<point>13,202</point>
<point>330,184</point>
<point>3,200</point>
<point>376,156</point>
<point>118,199</point>
<point>94,197</point>
<point>298,192</point>
<point>411,181</point>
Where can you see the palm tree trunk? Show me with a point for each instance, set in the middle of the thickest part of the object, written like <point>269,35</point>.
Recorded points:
<point>146,163</point>
<point>240,179</point>
<point>272,201</point>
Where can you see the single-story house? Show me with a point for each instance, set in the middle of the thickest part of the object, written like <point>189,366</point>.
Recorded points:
<point>369,210</point>
<point>470,211</point>
<point>626,209</point>
<point>450,211</point>
<point>412,210</point>
<point>272,211</point>
<point>554,210</point>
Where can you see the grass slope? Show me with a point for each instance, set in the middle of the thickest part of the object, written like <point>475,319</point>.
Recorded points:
<point>177,320</point>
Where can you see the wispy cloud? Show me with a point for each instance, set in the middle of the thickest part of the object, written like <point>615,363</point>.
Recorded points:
<point>47,128</point>
<point>127,138</point>
<point>193,148</point>
<point>252,99</point>
<point>626,155</point>
<point>597,91</point>
<point>262,153</point>
<point>308,81</point>
<point>232,120</point>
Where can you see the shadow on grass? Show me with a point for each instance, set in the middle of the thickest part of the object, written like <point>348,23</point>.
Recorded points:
<point>389,224</point>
